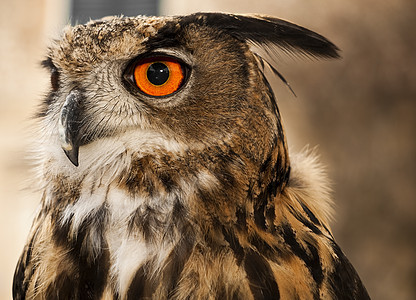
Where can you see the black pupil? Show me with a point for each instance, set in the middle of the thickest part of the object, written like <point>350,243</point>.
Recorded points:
<point>158,73</point>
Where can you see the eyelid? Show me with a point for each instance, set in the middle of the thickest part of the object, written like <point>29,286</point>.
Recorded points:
<point>172,52</point>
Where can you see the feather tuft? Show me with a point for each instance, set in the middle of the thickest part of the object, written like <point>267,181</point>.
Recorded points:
<point>263,30</point>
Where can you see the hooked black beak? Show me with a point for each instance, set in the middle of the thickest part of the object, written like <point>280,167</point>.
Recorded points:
<point>69,125</point>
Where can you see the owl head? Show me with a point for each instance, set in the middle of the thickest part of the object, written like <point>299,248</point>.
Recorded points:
<point>123,87</point>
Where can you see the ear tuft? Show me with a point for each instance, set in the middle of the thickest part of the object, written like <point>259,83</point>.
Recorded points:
<point>270,32</point>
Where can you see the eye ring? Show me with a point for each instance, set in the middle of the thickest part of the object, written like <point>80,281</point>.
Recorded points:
<point>158,76</point>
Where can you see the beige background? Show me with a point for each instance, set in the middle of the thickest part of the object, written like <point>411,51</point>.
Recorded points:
<point>360,111</point>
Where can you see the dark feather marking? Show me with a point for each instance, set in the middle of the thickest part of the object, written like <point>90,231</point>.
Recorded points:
<point>179,218</point>
<point>90,276</point>
<point>93,276</point>
<point>141,177</point>
<point>20,280</point>
<point>167,180</point>
<point>150,222</point>
<point>344,280</point>
<point>234,243</point>
<point>63,288</point>
<point>149,185</point>
<point>266,164</point>
<point>305,221</point>
<point>283,169</point>
<point>308,224</point>
<point>328,232</point>
<point>87,282</point>
<point>241,215</point>
<point>312,260</point>
<point>177,260</point>
<point>310,214</point>
<point>146,221</point>
<point>270,216</point>
<point>263,203</point>
<point>315,267</point>
<point>260,275</point>
<point>269,251</point>
<point>60,231</point>
<point>142,286</point>
<point>259,210</point>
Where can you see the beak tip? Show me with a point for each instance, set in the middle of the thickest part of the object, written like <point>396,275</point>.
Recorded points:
<point>69,125</point>
<point>72,156</point>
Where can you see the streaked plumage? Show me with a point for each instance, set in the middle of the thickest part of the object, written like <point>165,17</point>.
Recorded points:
<point>192,195</point>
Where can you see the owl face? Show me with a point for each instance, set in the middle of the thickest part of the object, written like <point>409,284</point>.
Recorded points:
<point>165,83</point>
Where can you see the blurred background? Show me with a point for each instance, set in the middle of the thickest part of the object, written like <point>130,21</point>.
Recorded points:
<point>359,110</point>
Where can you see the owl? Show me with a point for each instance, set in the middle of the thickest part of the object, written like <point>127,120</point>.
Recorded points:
<point>165,171</point>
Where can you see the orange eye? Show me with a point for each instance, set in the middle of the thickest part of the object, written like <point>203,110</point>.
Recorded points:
<point>159,76</point>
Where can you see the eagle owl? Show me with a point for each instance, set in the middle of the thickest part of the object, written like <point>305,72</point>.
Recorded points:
<point>165,171</point>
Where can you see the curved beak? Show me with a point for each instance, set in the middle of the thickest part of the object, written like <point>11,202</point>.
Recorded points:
<point>69,125</point>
